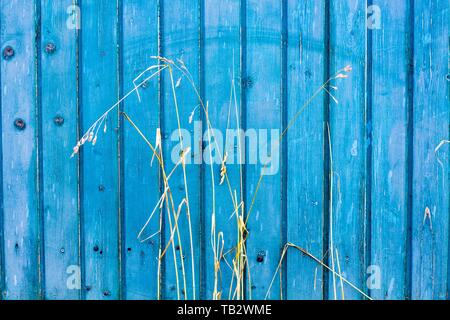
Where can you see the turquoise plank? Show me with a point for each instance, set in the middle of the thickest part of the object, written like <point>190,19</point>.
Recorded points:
<point>263,111</point>
<point>430,232</point>
<point>140,180</point>
<point>59,129</point>
<point>347,122</point>
<point>100,199</point>
<point>180,40</point>
<point>221,67</point>
<point>306,187</point>
<point>20,157</point>
<point>390,101</point>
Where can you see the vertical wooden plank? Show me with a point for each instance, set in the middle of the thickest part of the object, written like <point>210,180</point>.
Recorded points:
<point>430,179</point>
<point>221,51</point>
<point>59,128</point>
<point>263,111</point>
<point>307,61</point>
<point>20,159</point>
<point>390,101</point>
<point>100,200</point>
<point>2,237</point>
<point>141,189</point>
<point>347,121</point>
<point>180,40</point>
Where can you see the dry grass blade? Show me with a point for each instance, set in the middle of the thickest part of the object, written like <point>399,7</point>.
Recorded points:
<point>309,255</point>
<point>170,208</point>
<point>158,205</point>
<point>92,133</point>
<point>338,75</point>
<point>240,265</point>
<point>331,222</point>
<point>340,278</point>
<point>172,235</point>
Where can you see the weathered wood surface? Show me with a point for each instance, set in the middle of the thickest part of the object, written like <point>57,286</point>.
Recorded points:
<point>375,203</point>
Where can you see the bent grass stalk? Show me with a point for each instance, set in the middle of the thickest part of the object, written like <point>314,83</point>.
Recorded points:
<point>317,260</point>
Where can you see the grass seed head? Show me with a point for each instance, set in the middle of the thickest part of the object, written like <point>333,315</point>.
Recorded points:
<point>348,68</point>
<point>341,76</point>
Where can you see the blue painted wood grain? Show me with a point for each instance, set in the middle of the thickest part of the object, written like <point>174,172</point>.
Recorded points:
<point>21,219</point>
<point>306,184</point>
<point>263,111</point>
<point>100,176</point>
<point>222,43</point>
<point>140,179</point>
<point>180,40</point>
<point>393,112</point>
<point>59,129</point>
<point>347,123</point>
<point>391,101</point>
<point>431,126</point>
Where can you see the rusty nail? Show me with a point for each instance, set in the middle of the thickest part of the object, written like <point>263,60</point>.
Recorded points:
<point>50,48</point>
<point>96,248</point>
<point>260,257</point>
<point>8,53</point>
<point>59,121</point>
<point>101,188</point>
<point>19,124</point>
<point>106,293</point>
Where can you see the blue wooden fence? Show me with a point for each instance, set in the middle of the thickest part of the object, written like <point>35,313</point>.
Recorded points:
<point>381,215</point>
